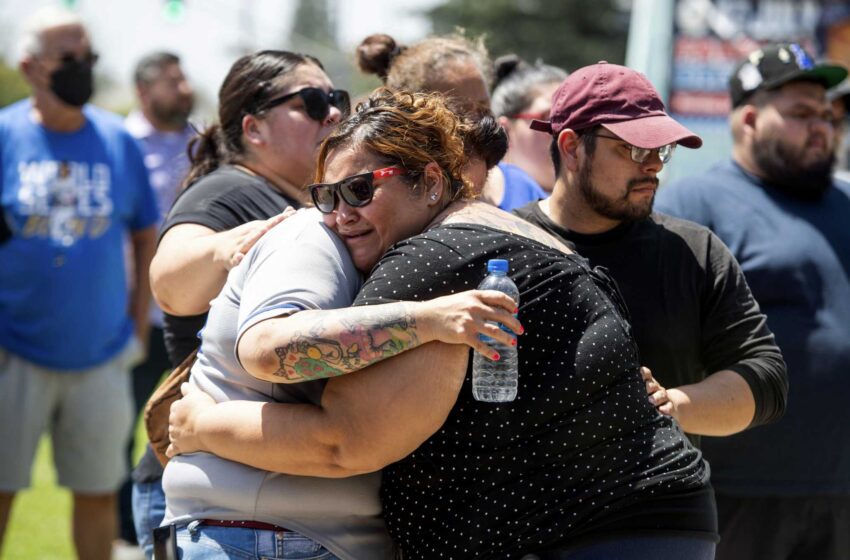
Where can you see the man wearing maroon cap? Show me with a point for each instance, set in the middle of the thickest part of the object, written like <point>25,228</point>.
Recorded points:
<point>783,492</point>
<point>697,326</point>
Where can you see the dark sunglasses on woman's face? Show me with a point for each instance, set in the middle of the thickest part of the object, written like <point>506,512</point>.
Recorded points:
<point>317,102</point>
<point>356,191</point>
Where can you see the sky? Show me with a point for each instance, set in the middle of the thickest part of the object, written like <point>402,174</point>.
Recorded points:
<point>211,35</point>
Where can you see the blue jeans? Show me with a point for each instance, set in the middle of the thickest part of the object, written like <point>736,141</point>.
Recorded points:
<point>203,542</point>
<point>148,511</point>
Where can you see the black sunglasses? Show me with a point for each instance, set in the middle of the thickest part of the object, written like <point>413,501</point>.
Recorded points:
<point>357,191</point>
<point>317,102</point>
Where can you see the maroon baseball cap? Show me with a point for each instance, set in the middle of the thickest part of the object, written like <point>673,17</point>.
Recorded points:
<point>618,98</point>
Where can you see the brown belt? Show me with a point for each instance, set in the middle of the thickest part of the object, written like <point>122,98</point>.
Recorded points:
<point>242,524</point>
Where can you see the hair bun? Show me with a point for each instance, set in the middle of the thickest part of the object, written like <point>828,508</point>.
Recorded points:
<point>507,65</point>
<point>376,53</point>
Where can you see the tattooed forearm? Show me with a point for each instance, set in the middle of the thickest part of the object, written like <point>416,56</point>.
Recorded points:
<point>389,316</point>
<point>347,340</point>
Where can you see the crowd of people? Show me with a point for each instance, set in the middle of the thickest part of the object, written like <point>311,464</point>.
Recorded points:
<point>682,365</point>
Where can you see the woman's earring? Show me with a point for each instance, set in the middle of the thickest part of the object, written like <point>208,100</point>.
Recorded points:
<point>433,196</point>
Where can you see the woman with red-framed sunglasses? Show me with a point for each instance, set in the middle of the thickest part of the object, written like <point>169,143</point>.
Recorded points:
<point>580,456</point>
<point>523,92</point>
<point>311,269</point>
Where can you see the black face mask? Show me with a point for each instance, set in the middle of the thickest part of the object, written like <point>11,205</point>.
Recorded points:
<point>73,82</point>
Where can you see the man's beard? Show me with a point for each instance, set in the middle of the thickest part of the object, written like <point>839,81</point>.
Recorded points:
<point>782,169</point>
<point>171,115</point>
<point>616,209</point>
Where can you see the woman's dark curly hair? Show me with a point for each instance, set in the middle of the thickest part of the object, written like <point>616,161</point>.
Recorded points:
<point>408,130</point>
<point>484,137</point>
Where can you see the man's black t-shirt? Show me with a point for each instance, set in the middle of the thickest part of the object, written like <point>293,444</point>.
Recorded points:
<point>580,454</point>
<point>222,200</point>
<point>690,306</point>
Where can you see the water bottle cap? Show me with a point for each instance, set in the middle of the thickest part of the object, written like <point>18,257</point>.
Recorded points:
<point>497,265</point>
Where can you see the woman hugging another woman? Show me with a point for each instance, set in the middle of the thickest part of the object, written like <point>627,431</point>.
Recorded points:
<point>580,465</point>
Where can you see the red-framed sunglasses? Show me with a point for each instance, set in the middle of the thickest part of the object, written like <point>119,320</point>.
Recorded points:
<point>357,191</point>
<point>541,115</point>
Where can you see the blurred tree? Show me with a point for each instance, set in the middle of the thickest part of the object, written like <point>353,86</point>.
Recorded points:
<point>12,85</point>
<point>313,22</point>
<point>314,32</point>
<point>566,33</point>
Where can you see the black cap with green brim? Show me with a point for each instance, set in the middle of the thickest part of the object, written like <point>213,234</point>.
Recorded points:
<point>775,65</point>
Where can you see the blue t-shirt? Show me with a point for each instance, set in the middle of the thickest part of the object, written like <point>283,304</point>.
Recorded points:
<point>520,188</point>
<point>69,200</point>
<point>795,256</point>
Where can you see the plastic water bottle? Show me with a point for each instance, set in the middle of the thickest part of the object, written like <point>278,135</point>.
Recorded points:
<point>496,381</point>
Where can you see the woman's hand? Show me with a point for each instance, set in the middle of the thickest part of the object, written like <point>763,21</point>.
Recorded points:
<point>461,318</point>
<point>183,418</point>
<point>238,241</point>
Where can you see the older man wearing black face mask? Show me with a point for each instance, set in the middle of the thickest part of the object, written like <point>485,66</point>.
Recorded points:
<point>72,184</point>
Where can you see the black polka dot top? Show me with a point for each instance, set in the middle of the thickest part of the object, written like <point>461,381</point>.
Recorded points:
<point>580,454</point>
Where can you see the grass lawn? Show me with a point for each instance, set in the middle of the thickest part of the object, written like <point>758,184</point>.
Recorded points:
<point>40,525</point>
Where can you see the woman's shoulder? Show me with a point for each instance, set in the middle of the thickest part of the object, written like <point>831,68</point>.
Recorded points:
<point>224,199</point>
<point>457,252</point>
<point>230,187</point>
<point>224,180</point>
<point>480,216</point>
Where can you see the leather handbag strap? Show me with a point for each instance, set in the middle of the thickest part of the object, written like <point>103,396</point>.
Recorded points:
<point>159,406</point>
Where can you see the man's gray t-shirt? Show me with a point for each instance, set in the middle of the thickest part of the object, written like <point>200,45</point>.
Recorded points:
<point>300,264</point>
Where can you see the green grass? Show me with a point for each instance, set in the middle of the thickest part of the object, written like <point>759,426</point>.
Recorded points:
<point>40,524</point>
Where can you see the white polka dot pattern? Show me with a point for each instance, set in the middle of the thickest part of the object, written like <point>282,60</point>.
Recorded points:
<point>580,443</point>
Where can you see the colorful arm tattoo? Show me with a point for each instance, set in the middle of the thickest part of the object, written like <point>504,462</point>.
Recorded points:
<point>340,342</point>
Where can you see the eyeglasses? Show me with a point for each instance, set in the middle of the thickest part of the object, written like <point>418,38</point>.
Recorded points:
<point>640,155</point>
<point>357,191</point>
<point>317,102</point>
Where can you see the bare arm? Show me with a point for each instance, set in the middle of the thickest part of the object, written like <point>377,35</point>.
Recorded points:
<point>365,421</point>
<point>144,244</point>
<point>317,344</point>
<point>192,262</point>
<point>722,404</point>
